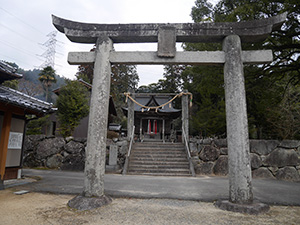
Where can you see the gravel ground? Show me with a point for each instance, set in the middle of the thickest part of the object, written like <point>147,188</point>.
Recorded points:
<point>37,208</point>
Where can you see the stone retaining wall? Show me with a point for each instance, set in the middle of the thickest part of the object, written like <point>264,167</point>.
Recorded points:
<point>63,153</point>
<point>269,158</point>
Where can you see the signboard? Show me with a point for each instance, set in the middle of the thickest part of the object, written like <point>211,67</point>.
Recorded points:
<point>15,140</point>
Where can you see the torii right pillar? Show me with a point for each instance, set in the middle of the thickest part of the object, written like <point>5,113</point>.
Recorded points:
<point>239,168</point>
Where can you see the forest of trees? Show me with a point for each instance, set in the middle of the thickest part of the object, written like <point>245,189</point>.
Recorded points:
<point>272,90</point>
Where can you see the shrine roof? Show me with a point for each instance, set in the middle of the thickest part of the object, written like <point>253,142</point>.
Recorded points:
<point>8,72</point>
<point>30,104</point>
<point>152,99</point>
<point>155,101</point>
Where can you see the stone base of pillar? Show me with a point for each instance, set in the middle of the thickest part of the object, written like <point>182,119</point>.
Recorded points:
<point>86,203</point>
<point>253,208</point>
<point>112,168</point>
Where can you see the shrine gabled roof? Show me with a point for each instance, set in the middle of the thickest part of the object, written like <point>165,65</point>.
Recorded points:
<point>30,104</point>
<point>153,100</point>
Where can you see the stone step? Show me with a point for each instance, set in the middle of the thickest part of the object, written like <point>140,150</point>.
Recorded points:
<point>169,151</point>
<point>151,160</point>
<point>158,153</point>
<point>161,166</point>
<point>159,170</point>
<point>159,157</point>
<point>159,174</point>
<point>159,150</point>
<point>158,145</point>
<point>157,162</point>
<point>164,159</point>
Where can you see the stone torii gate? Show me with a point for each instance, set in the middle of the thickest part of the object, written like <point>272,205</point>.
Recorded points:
<point>232,57</point>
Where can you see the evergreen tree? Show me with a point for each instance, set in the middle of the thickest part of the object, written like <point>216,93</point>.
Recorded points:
<point>266,85</point>
<point>72,104</point>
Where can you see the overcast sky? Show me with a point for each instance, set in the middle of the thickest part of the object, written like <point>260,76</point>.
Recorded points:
<point>25,24</point>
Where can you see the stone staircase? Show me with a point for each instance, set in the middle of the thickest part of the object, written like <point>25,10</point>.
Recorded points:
<point>160,159</point>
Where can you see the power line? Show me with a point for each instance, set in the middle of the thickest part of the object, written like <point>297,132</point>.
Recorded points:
<point>27,24</point>
<point>20,50</point>
<point>16,60</point>
<point>22,21</point>
<point>18,33</point>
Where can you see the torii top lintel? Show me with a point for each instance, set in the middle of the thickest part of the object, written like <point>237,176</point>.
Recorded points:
<point>249,31</point>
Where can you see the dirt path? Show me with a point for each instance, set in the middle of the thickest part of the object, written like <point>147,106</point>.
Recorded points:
<point>36,208</point>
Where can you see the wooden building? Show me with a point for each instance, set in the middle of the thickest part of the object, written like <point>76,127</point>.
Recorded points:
<point>154,123</point>
<point>14,106</point>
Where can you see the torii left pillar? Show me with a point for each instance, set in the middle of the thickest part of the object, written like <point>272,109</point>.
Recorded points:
<point>93,190</point>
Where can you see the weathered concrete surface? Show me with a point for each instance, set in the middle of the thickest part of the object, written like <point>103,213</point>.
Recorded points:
<point>166,41</point>
<point>253,208</point>
<point>249,31</point>
<point>185,115</point>
<point>97,132</point>
<point>113,155</point>
<point>82,203</point>
<point>130,116</point>
<point>237,123</point>
<point>77,58</point>
<point>189,58</point>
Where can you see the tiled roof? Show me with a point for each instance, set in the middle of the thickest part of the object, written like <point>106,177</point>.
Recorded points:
<point>152,99</point>
<point>34,105</point>
<point>8,72</point>
<point>155,101</point>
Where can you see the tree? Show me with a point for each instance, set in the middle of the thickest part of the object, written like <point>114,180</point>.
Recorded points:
<point>13,84</point>
<point>72,104</point>
<point>124,78</point>
<point>30,88</point>
<point>266,85</point>
<point>36,125</point>
<point>173,81</point>
<point>150,88</point>
<point>47,78</point>
<point>12,67</point>
<point>208,111</point>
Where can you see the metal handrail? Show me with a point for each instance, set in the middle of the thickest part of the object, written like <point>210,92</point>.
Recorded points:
<point>129,151</point>
<point>192,169</point>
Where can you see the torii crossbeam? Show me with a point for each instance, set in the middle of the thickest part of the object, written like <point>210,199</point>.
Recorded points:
<point>166,35</point>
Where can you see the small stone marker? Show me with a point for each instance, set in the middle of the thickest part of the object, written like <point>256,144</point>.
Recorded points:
<point>22,192</point>
<point>113,155</point>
